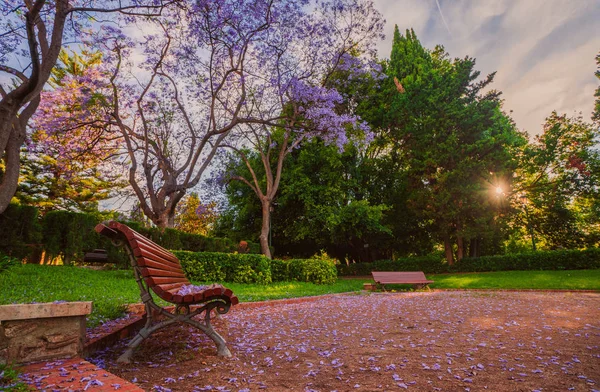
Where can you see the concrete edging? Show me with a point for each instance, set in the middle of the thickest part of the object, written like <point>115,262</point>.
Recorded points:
<point>44,310</point>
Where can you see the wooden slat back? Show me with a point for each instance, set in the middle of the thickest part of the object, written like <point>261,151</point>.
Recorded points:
<point>408,277</point>
<point>160,268</point>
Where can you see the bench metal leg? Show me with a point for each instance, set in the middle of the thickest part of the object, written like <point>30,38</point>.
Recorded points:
<point>207,328</point>
<point>219,306</point>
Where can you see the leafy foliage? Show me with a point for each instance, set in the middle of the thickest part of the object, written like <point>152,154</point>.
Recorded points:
<point>449,137</point>
<point>193,216</point>
<point>69,235</point>
<point>225,267</point>
<point>6,262</point>
<point>560,169</point>
<point>319,269</point>
<point>20,230</point>
<point>242,268</point>
<point>9,379</point>
<point>549,260</point>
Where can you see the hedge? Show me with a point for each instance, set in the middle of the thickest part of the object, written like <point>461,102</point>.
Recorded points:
<point>225,267</point>
<point>313,270</point>
<point>179,240</point>
<point>19,230</point>
<point>250,268</point>
<point>542,260</point>
<point>24,235</point>
<point>70,235</point>
<point>548,260</point>
<point>427,264</point>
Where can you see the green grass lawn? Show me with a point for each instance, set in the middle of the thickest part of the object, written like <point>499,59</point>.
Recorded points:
<point>547,280</point>
<point>110,290</point>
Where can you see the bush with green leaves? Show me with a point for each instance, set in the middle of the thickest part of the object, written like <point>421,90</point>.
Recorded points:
<point>542,260</point>
<point>280,270</point>
<point>6,262</point>
<point>71,234</point>
<point>225,267</point>
<point>20,230</point>
<point>9,379</point>
<point>532,261</point>
<point>319,269</point>
<point>427,264</point>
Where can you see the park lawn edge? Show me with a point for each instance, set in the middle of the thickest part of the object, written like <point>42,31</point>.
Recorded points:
<point>111,290</point>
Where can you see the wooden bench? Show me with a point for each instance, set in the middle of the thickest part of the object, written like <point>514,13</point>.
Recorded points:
<point>158,270</point>
<point>96,256</point>
<point>416,278</point>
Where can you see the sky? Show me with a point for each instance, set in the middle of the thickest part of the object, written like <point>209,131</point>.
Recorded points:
<point>543,50</point>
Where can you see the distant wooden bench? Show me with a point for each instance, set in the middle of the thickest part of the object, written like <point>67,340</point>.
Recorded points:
<point>416,278</point>
<point>96,256</point>
<point>158,270</point>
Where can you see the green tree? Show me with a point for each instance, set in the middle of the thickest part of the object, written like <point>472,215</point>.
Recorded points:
<point>558,175</point>
<point>321,204</point>
<point>448,134</point>
<point>69,170</point>
<point>192,216</point>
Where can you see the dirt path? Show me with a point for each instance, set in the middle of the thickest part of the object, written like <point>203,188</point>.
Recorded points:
<point>438,341</point>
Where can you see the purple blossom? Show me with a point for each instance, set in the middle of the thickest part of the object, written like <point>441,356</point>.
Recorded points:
<point>190,289</point>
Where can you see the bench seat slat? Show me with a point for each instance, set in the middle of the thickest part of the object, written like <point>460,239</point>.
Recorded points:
<point>171,287</point>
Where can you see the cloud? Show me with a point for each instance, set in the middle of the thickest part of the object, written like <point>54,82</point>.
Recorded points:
<point>543,50</point>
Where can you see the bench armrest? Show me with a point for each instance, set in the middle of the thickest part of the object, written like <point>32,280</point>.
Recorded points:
<point>107,231</point>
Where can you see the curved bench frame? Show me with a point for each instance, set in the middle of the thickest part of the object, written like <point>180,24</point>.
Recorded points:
<point>214,297</point>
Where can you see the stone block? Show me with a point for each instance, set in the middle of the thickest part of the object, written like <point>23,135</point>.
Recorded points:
<point>33,332</point>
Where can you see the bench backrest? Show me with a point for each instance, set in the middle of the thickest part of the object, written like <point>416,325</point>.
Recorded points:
<point>408,277</point>
<point>160,269</point>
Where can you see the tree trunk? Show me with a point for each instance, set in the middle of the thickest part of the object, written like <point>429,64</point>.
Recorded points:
<point>473,248</point>
<point>165,219</point>
<point>266,225</point>
<point>461,248</point>
<point>448,250</point>
<point>12,161</point>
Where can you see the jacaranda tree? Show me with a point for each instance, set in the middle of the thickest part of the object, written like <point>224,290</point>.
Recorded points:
<point>214,67</point>
<point>32,34</point>
<point>341,39</point>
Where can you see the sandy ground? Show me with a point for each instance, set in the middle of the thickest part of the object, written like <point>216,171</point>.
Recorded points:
<point>430,341</point>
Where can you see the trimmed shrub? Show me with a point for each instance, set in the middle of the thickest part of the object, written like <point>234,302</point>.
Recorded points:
<point>7,262</point>
<point>550,260</point>
<point>427,264</point>
<point>280,270</point>
<point>19,230</point>
<point>179,240</point>
<point>71,234</point>
<point>225,267</point>
<point>318,269</point>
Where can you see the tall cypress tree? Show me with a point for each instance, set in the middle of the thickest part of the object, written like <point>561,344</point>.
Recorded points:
<point>447,130</point>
